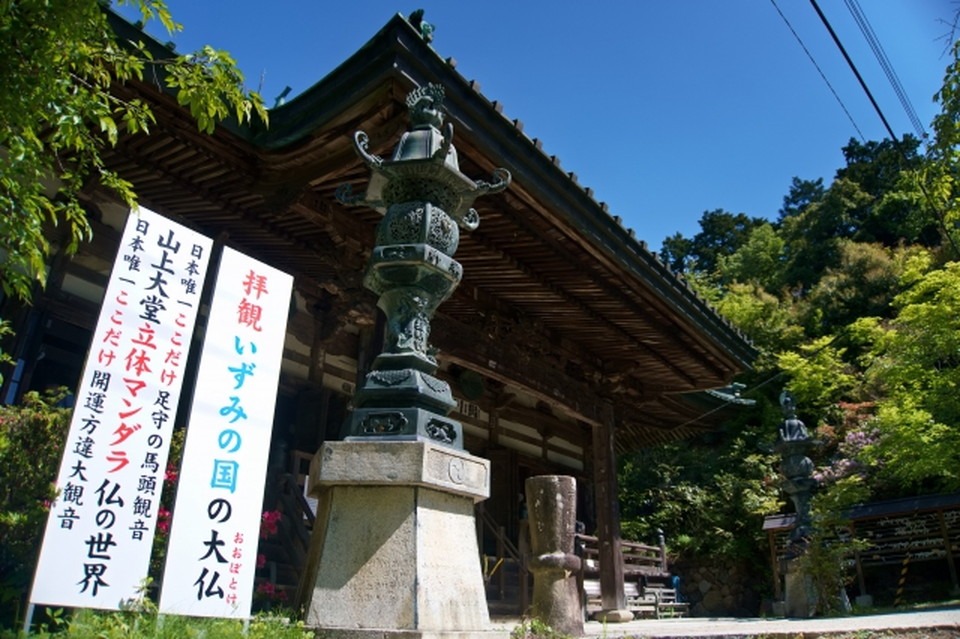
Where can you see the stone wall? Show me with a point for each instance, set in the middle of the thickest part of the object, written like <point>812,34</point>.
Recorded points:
<point>724,590</point>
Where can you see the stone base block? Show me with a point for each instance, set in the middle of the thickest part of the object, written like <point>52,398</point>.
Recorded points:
<point>800,597</point>
<point>613,616</point>
<point>394,550</point>
<point>399,463</point>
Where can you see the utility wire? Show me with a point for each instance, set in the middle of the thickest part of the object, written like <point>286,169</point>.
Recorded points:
<point>910,112</point>
<point>819,70</point>
<point>871,37</point>
<point>853,67</point>
<point>893,137</point>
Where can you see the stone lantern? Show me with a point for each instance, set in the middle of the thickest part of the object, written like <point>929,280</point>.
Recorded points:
<point>394,549</point>
<point>426,201</point>
<point>793,444</point>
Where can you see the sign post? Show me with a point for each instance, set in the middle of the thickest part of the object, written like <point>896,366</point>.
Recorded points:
<point>99,535</point>
<point>211,557</point>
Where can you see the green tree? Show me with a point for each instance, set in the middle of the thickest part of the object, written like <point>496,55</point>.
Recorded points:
<point>941,174</point>
<point>879,169</point>
<point>812,237</point>
<point>708,496</point>
<point>863,284</point>
<point>767,319</point>
<point>721,233</point>
<point>60,65</point>
<point>802,194</point>
<point>759,260</point>
<point>915,364</point>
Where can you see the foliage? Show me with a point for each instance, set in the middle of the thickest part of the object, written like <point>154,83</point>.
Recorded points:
<point>708,497</point>
<point>824,560</point>
<point>913,363</point>
<point>62,71</point>
<point>940,176</point>
<point>852,297</point>
<point>767,319</point>
<point>721,233</point>
<point>863,284</point>
<point>802,193</point>
<point>142,622</point>
<point>759,260</point>
<point>31,444</point>
<point>817,374</point>
<point>535,629</point>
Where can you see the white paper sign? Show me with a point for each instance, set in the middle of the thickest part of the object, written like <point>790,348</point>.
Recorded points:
<point>96,548</point>
<point>211,557</point>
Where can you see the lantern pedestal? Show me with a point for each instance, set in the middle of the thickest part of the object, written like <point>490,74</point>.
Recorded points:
<point>394,549</point>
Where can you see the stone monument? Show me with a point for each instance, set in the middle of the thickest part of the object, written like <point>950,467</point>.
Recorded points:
<point>552,504</point>
<point>394,549</point>
<point>793,443</point>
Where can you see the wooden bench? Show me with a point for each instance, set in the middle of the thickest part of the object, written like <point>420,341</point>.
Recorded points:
<point>647,585</point>
<point>668,602</point>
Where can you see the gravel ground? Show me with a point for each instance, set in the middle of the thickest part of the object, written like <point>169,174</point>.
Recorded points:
<point>941,623</point>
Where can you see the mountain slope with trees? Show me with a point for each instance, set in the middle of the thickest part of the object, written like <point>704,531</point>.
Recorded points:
<point>853,298</point>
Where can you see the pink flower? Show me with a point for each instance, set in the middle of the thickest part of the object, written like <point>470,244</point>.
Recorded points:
<point>270,591</point>
<point>163,520</point>
<point>261,560</point>
<point>268,523</point>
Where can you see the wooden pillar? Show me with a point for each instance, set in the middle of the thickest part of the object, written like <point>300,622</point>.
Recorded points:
<point>861,580</point>
<point>493,425</point>
<point>775,565</point>
<point>951,563</point>
<point>612,596</point>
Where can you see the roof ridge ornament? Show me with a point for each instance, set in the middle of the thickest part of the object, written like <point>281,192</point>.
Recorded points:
<point>422,26</point>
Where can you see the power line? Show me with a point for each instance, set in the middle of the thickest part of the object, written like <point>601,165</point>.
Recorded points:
<point>819,70</point>
<point>871,37</point>
<point>853,67</point>
<point>893,137</point>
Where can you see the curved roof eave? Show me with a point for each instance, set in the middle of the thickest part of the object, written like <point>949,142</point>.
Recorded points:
<point>397,53</point>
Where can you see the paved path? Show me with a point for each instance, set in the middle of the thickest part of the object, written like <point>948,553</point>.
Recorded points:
<point>768,628</point>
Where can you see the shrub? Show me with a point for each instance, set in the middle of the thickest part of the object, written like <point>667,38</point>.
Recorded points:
<point>32,436</point>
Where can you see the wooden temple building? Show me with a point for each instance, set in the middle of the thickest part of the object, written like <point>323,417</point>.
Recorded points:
<point>566,343</point>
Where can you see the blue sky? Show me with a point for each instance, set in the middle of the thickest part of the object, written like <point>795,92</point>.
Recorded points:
<point>666,108</point>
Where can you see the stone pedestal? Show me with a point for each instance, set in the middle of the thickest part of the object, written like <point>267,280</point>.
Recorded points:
<point>394,549</point>
<point>864,601</point>
<point>800,597</point>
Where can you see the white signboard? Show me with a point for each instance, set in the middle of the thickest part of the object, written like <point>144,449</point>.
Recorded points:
<point>211,557</point>
<point>96,548</point>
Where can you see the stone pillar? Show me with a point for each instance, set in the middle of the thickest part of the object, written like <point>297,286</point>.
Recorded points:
<point>394,547</point>
<point>552,506</point>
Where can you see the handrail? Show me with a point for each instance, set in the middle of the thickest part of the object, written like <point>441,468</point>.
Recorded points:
<point>289,484</point>
<point>505,547</point>
<point>510,548</point>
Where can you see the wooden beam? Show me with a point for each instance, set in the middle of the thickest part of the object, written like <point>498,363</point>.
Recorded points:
<point>465,346</point>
